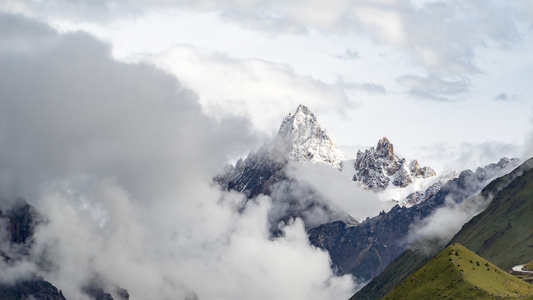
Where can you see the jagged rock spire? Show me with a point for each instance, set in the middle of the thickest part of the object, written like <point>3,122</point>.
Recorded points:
<point>302,138</point>
<point>384,148</point>
<point>376,167</point>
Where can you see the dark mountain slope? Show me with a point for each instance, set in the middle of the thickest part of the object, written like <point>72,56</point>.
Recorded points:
<point>36,287</point>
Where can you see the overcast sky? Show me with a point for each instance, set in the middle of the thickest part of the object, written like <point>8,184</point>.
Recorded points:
<point>440,79</point>
<point>115,115</point>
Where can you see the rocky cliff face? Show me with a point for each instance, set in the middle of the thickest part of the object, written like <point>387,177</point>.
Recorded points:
<point>366,249</point>
<point>376,168</point>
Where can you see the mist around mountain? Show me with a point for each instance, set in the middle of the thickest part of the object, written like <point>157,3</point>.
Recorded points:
<point>360,247</point>
<point>20,279</point>
<point>290,197</point>
<point>16,232</point>
<point>118,159</point>
<point>301,174</point>
<point>299,171</point>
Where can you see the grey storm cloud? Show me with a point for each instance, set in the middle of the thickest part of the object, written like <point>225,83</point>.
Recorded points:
<point>66,105</point>
<point>118,159</point>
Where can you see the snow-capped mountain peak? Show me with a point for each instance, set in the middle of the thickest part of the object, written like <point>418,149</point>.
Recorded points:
<point>302,138</point>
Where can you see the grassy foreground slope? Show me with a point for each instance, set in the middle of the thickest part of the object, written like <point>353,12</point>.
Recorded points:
<point>458,273</point>
<point>503,233</point>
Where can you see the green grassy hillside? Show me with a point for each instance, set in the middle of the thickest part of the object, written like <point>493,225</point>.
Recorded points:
<point>503,233</point>
<point>458,273</point>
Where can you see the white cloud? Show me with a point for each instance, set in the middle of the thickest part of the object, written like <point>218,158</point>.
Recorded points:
<point>341,190</point>
<point>119,158</point>
<point>468,155</point>
<point>214,252</point>
<point>248,87</point>
<point>446,221</point>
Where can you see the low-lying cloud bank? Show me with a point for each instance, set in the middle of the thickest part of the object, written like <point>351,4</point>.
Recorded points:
<point>464,201</point>
<point>180,249</point>
<point>341,190</point>
<point>118,159</point>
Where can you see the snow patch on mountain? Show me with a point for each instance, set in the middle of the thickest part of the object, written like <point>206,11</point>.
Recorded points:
<point>418,191</point>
